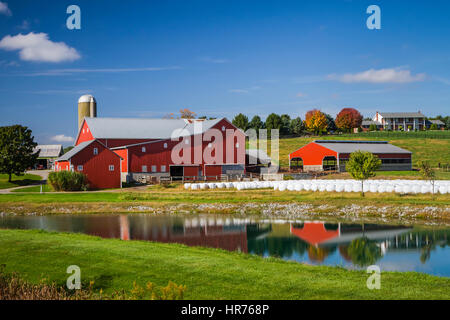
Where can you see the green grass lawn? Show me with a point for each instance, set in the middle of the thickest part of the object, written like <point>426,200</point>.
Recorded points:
<point>207,273</point>
<point>18,181</point>
<point>45,188</point>
<point>178,194</point>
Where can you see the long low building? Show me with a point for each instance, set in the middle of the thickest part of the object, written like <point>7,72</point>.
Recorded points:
<point>327,155</point>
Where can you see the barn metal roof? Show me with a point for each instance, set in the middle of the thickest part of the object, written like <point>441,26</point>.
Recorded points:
<point>436,122</point>
<point>401,114</point>
<point>49,150</point>
<point>74,151</point>
<point>138,128</point>
<point>349,146</point>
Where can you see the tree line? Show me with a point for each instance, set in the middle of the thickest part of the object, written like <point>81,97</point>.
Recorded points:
<point>315,122</point>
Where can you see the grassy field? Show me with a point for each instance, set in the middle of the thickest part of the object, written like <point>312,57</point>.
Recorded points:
<point>45,188</point>
<point>177,194</point>
<point>207,273</point>
<point>18,181</point>
<point>427,149</point>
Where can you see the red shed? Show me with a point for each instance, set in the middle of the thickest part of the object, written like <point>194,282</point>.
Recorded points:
<point>323,155</point>
<point>100,165</point>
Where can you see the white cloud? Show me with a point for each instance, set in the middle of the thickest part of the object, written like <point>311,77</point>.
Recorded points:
<point>4,9</point>
<point>392,75</point>
<point>61,138</point>
<point>38,47</point>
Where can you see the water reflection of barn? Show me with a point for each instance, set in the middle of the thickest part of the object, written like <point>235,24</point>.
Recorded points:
<point>206,232</point>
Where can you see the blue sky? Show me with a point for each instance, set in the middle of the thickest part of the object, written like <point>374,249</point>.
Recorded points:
<point>219,58</point>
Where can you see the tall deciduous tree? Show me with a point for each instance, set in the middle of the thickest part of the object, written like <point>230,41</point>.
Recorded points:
<point>187,114</point>
<point>316,121</point>
<point>273,121</point>
<point>296,126</point>
<point>362,166</point>
<point>16,150</point>
<point>427,173</point>
<point>348,118</point>
<point>256,124</point>
<point>285,124</point>
<point>241,121</point>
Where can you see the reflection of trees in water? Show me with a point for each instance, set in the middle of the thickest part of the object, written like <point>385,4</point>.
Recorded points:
<point>318,254</point>
<point>277,246</point>
<point>364,251</point>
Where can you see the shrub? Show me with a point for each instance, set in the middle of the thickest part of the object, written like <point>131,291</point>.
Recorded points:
<point>373,127</point>
<point>433,126</point>
<point>68,181</point>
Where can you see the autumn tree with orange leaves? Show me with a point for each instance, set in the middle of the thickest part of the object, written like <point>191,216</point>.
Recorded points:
<point>348,119</point>
<point>316,121</point>
<point>187,114</point>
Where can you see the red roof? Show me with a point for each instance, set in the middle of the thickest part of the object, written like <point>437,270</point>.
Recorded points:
<point>314,232</point>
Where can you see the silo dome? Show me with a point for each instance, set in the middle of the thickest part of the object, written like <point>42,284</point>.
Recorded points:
<point>86,98</point>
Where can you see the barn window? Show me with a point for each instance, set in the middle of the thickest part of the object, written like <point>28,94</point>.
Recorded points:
<point>80,168</point>
<point>153,168</point>
<point>144,168</point>
<point>83,130</point>
<point>95,151</point>
<point>163,168</point>
<point>223,128</point>
<point>165,145</point>
<point>237,145</point>
<point>186,141</point>
<point>144,149</point>
<point>329,163</point>
<point>209,145</point>
<point>111,167</point>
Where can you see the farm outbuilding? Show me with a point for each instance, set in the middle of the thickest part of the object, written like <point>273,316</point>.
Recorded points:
<point>332,155</point>
<point>48,153</point>
<point>100,165</point>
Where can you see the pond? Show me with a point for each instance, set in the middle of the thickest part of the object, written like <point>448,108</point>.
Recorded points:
<point>351,245</point>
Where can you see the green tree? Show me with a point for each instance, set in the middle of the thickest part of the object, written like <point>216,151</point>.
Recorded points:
<point>362,166</point>
<point>273,121</point>
<point>331,125</point>
<point>241,121</point>
<point>285,124</point>
<point>433,126</point>
<point>256,123</point>
<point>67,149</point>
<point>16,150</point>
<point>296,126</point>
<point>373,127</point>
<point>428,173</point>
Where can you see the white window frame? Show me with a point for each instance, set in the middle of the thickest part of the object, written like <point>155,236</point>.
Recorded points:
<point>165,145</point>
<point>95,151</point>
<point>144,168</point>
<point>163,168</point>
<point>144,149</point>
<point>111,167</point>
<point>80,167</point>
<point>154,168</point>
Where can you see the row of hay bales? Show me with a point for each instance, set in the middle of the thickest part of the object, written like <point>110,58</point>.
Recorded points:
<point>343,185</point>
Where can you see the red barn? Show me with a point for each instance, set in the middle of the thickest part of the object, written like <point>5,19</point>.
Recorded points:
<point>169,147</point>
<point>323,155</point>
<point>100,165</point>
